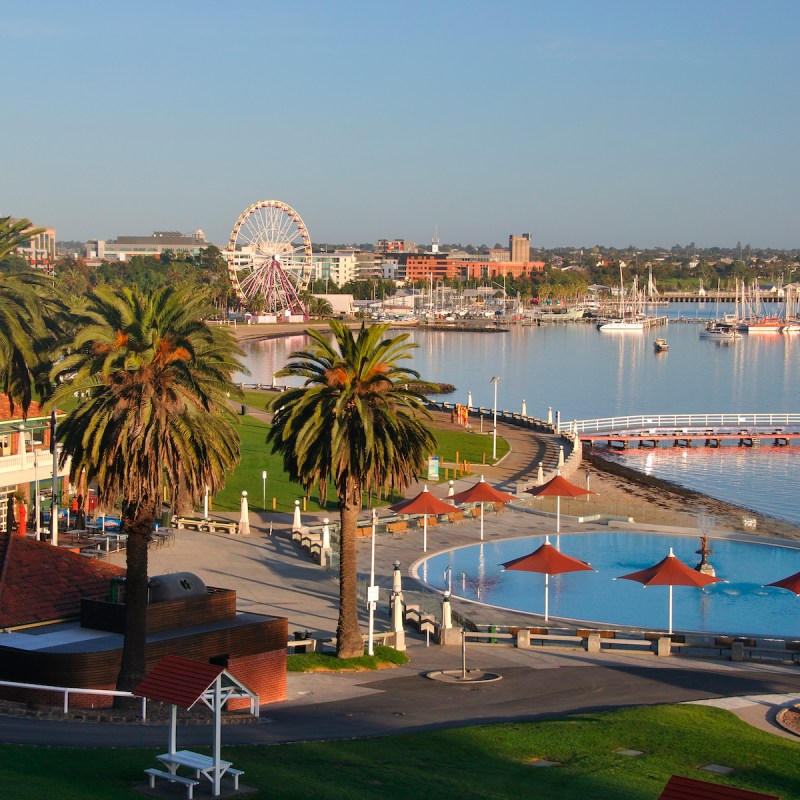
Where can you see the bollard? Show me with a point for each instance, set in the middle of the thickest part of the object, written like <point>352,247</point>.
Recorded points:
<point>274,503</point>
<point>304,504</point>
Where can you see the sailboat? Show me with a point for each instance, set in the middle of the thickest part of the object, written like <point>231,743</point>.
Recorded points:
<point>718,330</point>
<point>629,320</point>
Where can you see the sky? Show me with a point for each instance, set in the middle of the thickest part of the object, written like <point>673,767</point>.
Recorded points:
<point>581,122</point>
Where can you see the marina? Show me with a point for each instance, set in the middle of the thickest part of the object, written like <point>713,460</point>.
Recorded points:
<point>577,373</point>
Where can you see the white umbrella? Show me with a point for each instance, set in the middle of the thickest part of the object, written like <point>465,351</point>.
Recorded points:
<point>244,520</point>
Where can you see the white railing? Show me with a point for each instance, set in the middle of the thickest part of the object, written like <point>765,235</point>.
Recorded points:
<point>67,691</point>
<point>681,421</point>
<point>39,460</point>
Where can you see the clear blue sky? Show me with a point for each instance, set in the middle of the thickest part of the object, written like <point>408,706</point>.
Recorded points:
<point>585,122</point>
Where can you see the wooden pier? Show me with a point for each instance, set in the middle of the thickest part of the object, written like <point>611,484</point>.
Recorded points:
<point>685,438</point>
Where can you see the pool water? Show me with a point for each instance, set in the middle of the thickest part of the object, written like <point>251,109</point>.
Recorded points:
<point>741,605</point>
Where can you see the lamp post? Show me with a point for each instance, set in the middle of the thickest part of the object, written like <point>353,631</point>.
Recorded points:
<point>264,489</point>
<point>372,590</point>
<point>495,380</point>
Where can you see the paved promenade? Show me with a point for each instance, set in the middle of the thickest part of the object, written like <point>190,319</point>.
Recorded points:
<point>272,576</point>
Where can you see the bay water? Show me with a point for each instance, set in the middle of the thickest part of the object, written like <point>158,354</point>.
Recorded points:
<point>580,372</point>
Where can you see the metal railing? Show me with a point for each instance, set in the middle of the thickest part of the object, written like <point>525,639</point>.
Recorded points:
<point>67,691</point>
<point>734,421</point>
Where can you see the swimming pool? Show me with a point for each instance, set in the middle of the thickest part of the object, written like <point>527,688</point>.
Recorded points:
<point>741,605</point>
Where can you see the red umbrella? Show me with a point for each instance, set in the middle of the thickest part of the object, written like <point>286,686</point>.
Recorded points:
<point>558,487</point>
<point>550,561</point>
<point>792,583</point>
<point>481,492</point>
<point>670,571</point>
<point>424,503</point>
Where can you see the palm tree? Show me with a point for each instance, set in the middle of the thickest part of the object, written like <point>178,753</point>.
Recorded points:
<point>355,424</point>
<point>28,314</point>
<point>158,414</point>
<point>14,233</point>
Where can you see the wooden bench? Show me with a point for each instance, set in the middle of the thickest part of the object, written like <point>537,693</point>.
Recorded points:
<point>455,516</point>
<point>397,527</point>
<point>189,783</point>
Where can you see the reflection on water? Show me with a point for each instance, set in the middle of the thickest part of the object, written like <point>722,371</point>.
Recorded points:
<point>582,373</point>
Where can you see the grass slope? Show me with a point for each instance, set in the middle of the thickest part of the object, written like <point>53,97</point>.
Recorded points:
<point>487,762</point>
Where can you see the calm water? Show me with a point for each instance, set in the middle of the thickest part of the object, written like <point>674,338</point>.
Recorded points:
<point>741,605</point>
<point>575,369</point>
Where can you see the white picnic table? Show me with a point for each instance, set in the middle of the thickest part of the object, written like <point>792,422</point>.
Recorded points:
<point>201,764</point>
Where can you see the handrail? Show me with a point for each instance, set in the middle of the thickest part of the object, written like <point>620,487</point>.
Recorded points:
<point>712,420</point>
<point>72,690</point>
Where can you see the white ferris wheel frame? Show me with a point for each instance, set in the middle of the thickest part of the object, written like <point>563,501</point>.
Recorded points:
<point>280,263</point>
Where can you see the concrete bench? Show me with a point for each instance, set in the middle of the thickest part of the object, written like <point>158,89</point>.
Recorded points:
<point>191,524</point>
<point>215,526</point>
<point>309,645</point>
<point>189,783</point>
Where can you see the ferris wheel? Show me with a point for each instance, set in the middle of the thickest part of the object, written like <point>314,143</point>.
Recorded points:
<point>269,258</point>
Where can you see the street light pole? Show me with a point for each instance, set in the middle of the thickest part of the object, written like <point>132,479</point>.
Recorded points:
<point>372,591</point>
<point>264,490</point>
<point>495,380</point>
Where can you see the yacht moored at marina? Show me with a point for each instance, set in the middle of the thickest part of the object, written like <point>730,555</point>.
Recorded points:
<point>720,332</point>
<point>660,345</point>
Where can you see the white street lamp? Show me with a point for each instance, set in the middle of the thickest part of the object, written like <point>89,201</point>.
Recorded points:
<point>372,590</point>
<point>264,489</point>
<point>495,380</point>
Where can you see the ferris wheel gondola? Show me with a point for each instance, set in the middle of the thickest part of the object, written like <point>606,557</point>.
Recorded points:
<point>269,258</point>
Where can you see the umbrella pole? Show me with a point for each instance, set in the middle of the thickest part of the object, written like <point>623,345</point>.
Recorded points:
<point>558,522</point>
<point>424,533</point>
<point>481,521</point>
<point>670,610</point>
<point>546,596</point>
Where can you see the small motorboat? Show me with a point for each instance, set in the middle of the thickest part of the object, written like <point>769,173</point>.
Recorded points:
<point>660,345</point>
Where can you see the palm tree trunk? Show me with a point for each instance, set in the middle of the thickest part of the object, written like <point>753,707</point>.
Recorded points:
<point>349,643</point>
<point>133,649</point>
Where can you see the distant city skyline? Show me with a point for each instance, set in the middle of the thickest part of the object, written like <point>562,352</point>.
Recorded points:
<point>617,123</point>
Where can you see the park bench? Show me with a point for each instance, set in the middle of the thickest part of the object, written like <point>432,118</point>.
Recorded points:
<point>401,526</point>
<point>215,525</point>
<point>189,783</point>
<point>191,523</point>
<point>455,516</point>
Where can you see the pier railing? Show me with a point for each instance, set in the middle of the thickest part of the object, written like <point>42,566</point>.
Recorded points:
<point>716,422</point>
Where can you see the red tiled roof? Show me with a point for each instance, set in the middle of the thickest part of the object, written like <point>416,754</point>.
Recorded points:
<point>39,582</point>
<point>680,788</point>
<point>179,681</point>
<point>6,414</point>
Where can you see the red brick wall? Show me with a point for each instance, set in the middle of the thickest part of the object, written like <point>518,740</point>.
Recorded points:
<point>264,673</point>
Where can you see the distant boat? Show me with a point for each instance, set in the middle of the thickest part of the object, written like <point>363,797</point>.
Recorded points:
<point>613,325</point>
<point>558,314</point>
<point>660,345</point>
<point>631,319</point>
<point>720,332</point>
<point>764,325</point>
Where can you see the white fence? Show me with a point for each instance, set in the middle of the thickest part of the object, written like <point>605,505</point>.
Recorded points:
<point>732,421</point>
<point>67,691</point>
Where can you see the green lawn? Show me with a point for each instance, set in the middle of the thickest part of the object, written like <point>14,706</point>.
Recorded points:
<point>257,457</point>
<point>465,763</point>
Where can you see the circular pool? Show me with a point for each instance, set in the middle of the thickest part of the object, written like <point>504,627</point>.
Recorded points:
<point>741,605</point>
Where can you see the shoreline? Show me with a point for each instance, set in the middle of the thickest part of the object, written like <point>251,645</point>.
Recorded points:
<point>617,487</point>
<point>622,486</point>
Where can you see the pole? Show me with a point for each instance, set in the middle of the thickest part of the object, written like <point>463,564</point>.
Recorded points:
<point>370,594</point>
<point>495,380</point>
<point>205,504</point>
<point>54,505</point>
<point>264,490</point>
